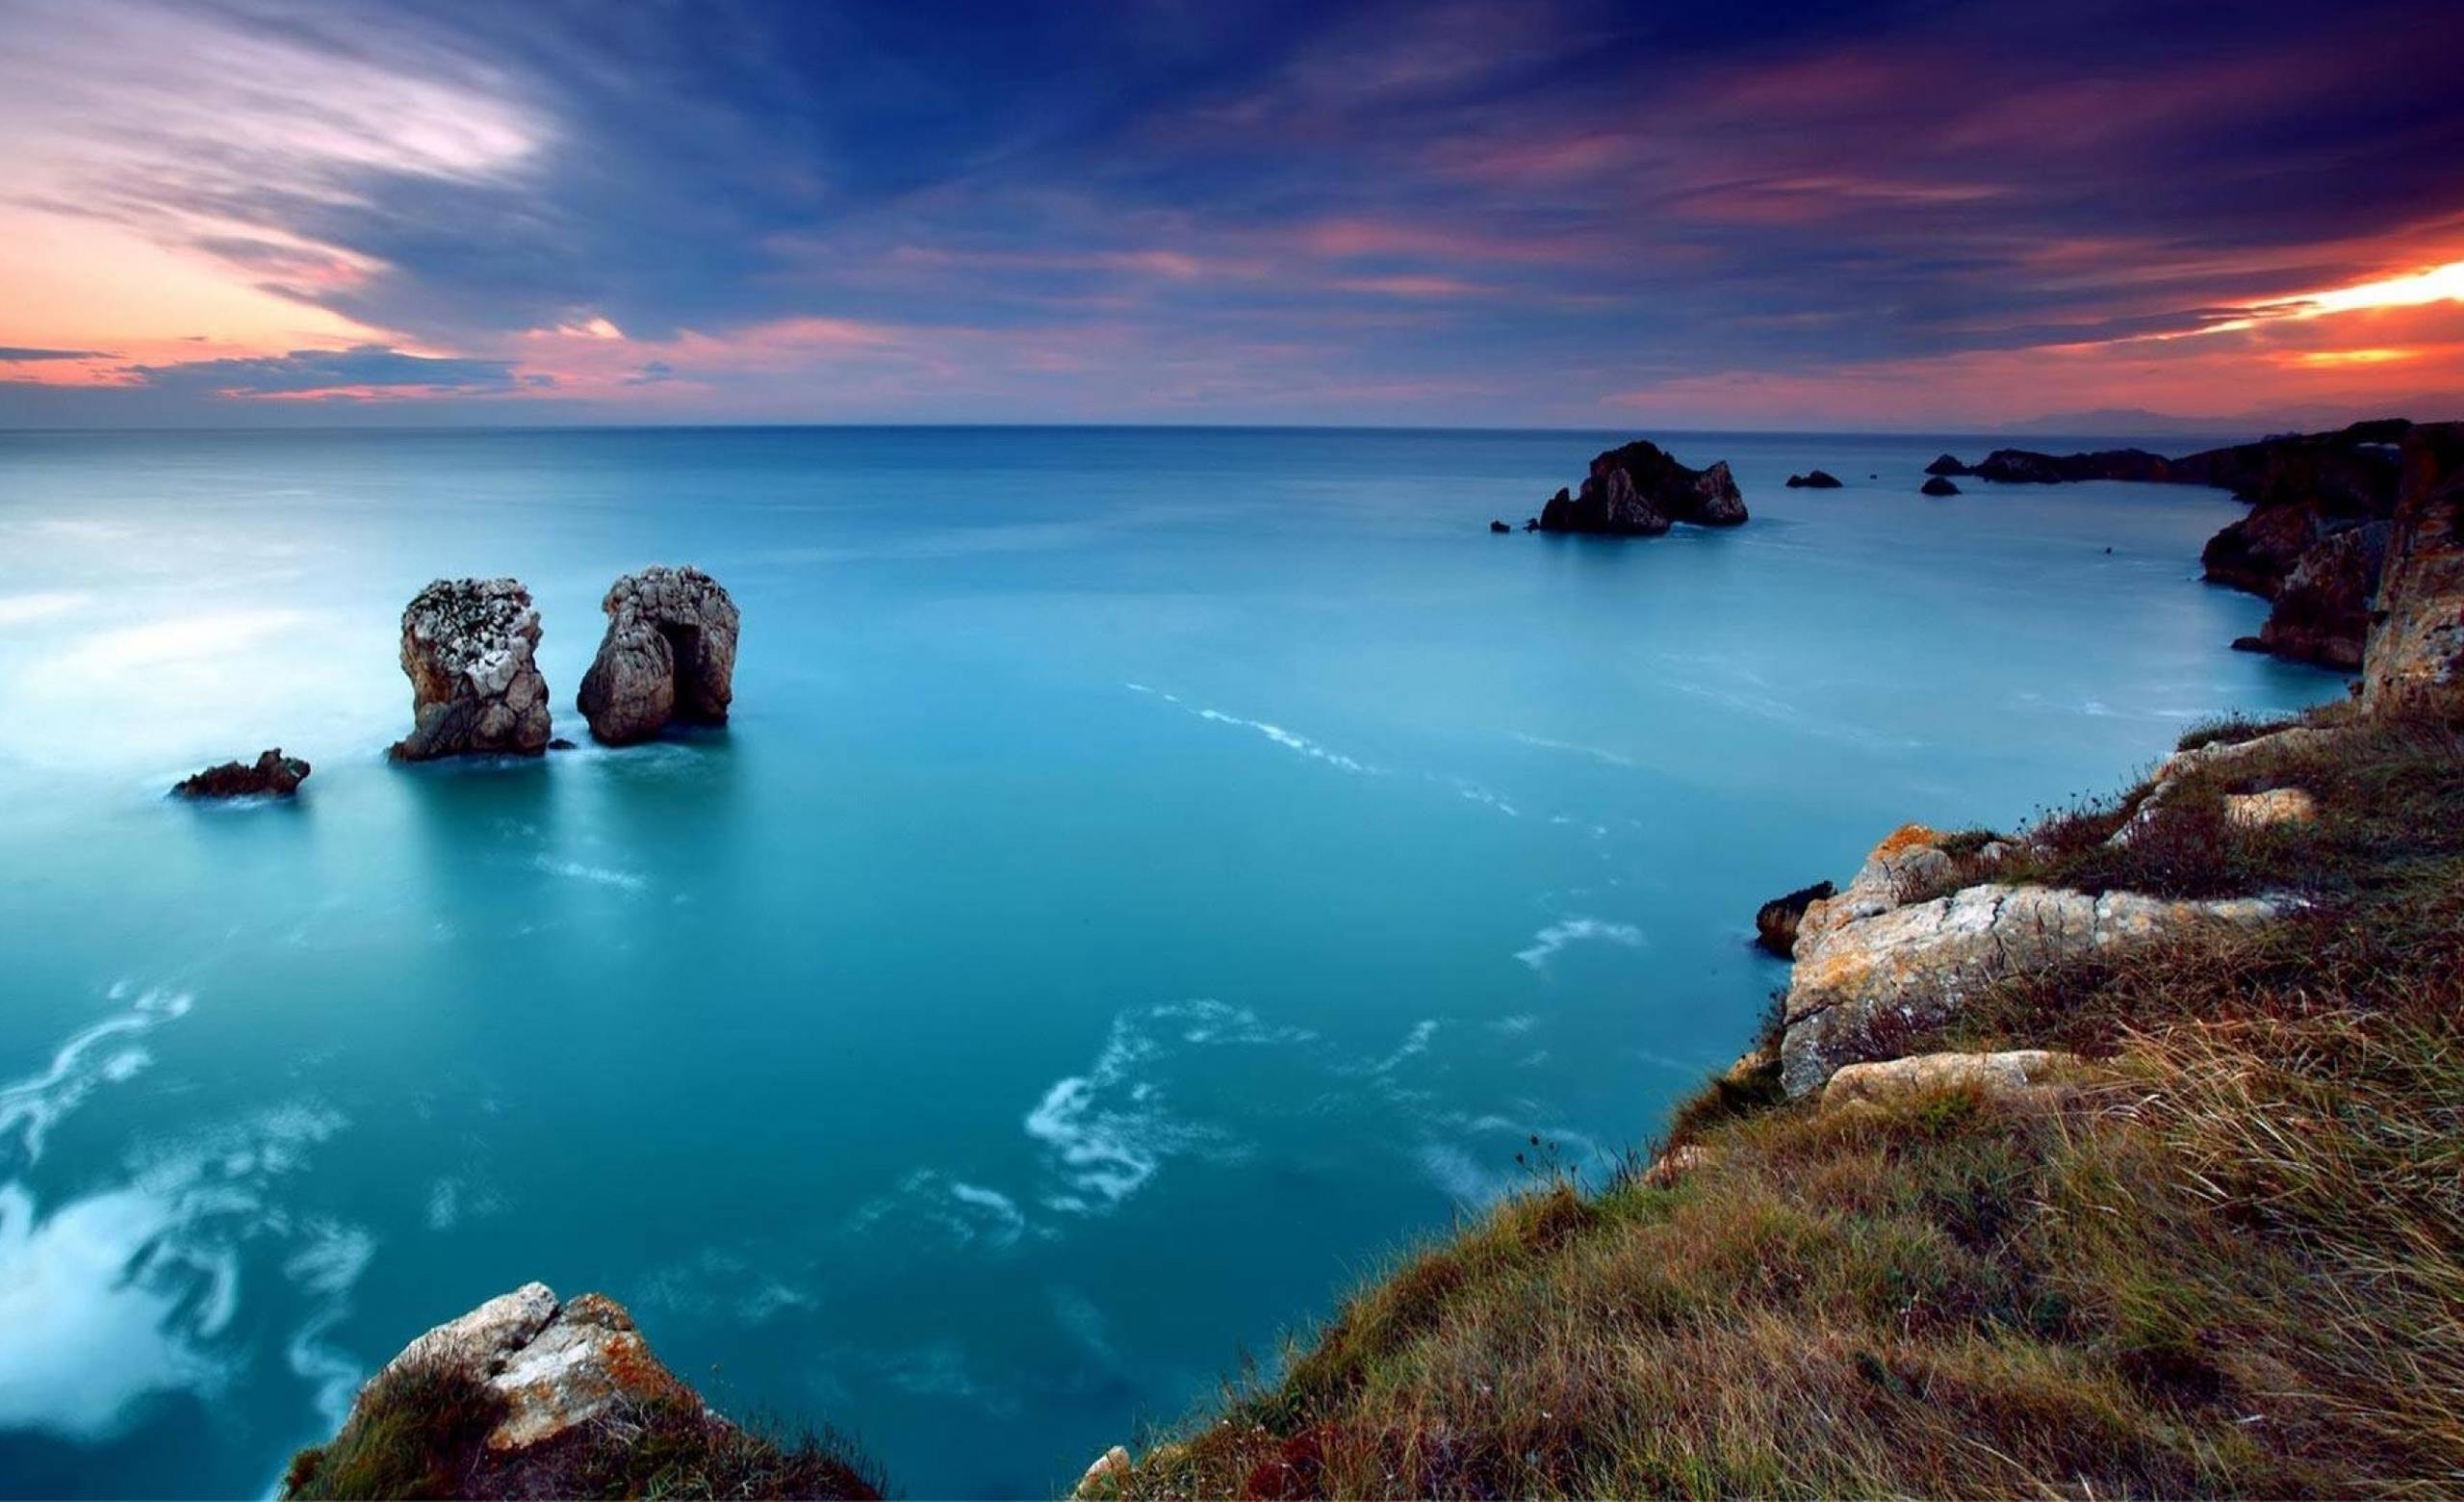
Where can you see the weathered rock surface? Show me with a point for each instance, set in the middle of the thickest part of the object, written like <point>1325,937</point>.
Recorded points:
<point>274,775</point>
<point>669,656</point>
<point>1818,480</point>
<point>2272,806</point>
<point>1938,486</point>
<point>1102,1478</point>
<point>2011,1077</point>
<point>2417,644</point>
<point>1775,922</point>
<point>2322,608</point>
<point>469,647</point>
<point>1869,962</point>
<point>556,1365</point>
<point>1641,491</point>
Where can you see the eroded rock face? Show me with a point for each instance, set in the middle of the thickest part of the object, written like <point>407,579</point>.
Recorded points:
<point>2011,1077</point>
<point>556,1365</point>
<point>1915,965</point>
<point>669,656</point>
<point>274,775</point>
<point>2417,643</point>
<point>1641,491</point>
<point>469,648</point>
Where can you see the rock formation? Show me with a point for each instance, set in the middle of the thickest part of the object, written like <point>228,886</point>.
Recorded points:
<point>468,645</point>
<point>274,776</point>
<point>1869,963</point>
<point>1775,922</point>
<point>1640,491</point>
<point>1938,486</point>
<point>2416,641</point>
<point>1500,527</point>
<point>669,656</point>
<point>2312,542</point>
<point>2010,1077</point>
<point>1818,480</point>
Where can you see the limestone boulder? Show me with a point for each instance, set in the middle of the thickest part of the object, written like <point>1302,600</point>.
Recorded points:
<point>469,647</point>
<point>668,657</point>
<point>555,1364</point>
<point>2015,1077</point>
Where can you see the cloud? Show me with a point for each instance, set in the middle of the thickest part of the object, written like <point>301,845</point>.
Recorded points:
<point>364,371</point>
<point>11,354</point>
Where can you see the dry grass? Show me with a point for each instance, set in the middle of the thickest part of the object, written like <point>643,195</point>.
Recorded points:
<point>418,1432</point>
<point>2231,1262</point>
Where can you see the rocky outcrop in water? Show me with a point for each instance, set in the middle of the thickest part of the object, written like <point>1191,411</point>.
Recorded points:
<point>469,647</point>
<point>2028,467</point>
<point>1938,486</point>
<point>2417,642</point>
<point>1947,464</point>
<point>274,775</point>
<point>1640,491</point>
<point>1871,966</point>
<point>1775,922</point>
<point>669,656</point>
<point>1818,480</point>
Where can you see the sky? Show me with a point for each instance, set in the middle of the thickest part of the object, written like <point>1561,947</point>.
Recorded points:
<point>1934,216</point>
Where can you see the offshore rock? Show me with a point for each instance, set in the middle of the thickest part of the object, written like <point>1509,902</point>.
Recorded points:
<point>275,775</point>
<point>1947,464</point>
<point>669,656</point>
<point>1775,922</point>
<point>2028,467</point>
<point>467,646</point>
<point>1818,480</point>
<point>1641,491</point>
<point>2417,639</point>
<point>1938,486</point>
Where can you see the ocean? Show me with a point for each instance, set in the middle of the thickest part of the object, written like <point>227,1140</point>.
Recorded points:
<point>1150,876</point>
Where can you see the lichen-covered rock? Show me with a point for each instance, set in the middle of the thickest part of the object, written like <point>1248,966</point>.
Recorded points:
<point>2416,637</point>
<point>2008,1077</point>
<point>2272,806</point>
<point>1908,856</point>
<point>1775,922</point>
<point>1869,973</point>
<point>274,775</point>
<point>669,656</point>
<point>555,1365</point>
<point>1640,491</point>
<point>1105,1475</point>
<point>469,647</point>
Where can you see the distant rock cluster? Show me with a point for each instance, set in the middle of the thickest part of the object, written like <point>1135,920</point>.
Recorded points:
<point>273,775</point>
<point>1641,491</point>
<point>470,648</point>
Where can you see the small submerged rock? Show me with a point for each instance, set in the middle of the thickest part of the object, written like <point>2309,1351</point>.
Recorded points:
<point>669,656</point>
<point>469,646</point>
<point>274,775</point>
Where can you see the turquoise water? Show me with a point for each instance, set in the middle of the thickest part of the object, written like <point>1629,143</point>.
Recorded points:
<point>1149,873</point>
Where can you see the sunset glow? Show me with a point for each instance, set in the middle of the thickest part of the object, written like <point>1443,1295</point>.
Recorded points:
<point>212,214</point>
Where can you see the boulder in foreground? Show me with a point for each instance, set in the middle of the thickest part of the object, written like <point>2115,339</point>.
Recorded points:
<point>669,656</point>
<point>1640,491</point>
<point>526,1396</point>
<point>469,646</point>
<point>274,775</point>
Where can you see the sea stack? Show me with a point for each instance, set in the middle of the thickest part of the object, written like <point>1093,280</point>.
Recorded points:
<point>669,656</point>
<point>1640,491</point>
<point>1818,480</point>
<point>1939,485</point>
<point>469,647</point>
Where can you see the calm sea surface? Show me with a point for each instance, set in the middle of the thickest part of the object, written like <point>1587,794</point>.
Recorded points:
<point>1149,875</point>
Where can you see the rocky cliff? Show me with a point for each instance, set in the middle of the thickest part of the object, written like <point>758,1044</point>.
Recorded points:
<point>2417,640</point>
<point>1640,491</point>
<point>529,1396</point>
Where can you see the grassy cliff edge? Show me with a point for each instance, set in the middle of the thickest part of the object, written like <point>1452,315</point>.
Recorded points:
<point>2222,1251</point>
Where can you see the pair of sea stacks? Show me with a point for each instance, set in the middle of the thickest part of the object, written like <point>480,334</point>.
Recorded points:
<point>470,648</point>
